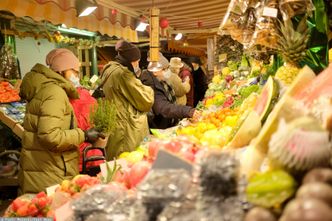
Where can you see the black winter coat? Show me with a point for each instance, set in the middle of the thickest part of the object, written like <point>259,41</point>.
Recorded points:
<point>200,85</point>
<point>164,113</point>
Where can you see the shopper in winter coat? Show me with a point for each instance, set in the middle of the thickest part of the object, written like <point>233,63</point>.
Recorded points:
<point>200,80</point>
<point>165,112</point>
<point>132,99</point>
<point>50,139</point>
<point>181,86</point>
<point>185,72</point>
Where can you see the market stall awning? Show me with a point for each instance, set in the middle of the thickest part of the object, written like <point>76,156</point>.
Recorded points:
<point>63,12</point>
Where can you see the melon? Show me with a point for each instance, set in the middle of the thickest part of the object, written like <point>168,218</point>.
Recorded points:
<point>248,129</point>
<point>258,147</point>
<point>267,99</point>
<point>250,125</point>
<point>320,86</point>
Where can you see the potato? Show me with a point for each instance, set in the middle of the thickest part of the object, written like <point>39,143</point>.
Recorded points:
<point>307,210</point>
<point>319,191</point>
<point>319,175</point>
<point>259,214</point>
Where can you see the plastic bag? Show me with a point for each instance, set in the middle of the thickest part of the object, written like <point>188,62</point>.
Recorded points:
<point>291,8</point>
<point>97,199</point>
<point>232,20</point>
<point>163,185</point>
<point>266,30</point>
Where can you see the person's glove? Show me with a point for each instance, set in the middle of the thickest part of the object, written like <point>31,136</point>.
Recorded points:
<point>92,135</point>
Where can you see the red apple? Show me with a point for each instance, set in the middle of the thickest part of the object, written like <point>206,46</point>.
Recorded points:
<point>23,210</point>
<point>138,172</point>
<point>153,149</point>
<point>173,146</point>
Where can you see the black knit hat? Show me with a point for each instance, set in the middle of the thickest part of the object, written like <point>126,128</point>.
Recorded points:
<point>128,51</point>
<point>195,60</point>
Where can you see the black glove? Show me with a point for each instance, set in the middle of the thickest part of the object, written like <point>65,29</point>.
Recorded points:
<point>92,135</point>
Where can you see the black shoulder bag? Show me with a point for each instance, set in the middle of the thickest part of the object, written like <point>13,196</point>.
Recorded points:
<point>99,92</point>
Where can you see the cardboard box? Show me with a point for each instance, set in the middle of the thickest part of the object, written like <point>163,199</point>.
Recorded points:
<point>18,130</point>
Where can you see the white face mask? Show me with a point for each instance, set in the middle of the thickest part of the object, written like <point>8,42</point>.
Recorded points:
<point>167,74</point>
<point>195,66</point>
<point>75,81</point>
<point>137,71</point>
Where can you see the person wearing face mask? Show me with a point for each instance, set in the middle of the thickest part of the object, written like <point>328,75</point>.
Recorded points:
<point>200,80</point>
<point>165,112</point>
<point>181,86</point>
<point>133,100</point>
<point>51,138</point>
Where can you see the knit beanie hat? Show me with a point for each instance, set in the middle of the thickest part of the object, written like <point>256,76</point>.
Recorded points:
<point>128,51</point>
<point>62,59</point>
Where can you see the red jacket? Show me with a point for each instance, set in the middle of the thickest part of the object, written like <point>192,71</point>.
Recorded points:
<point>190,95</point>
<point>82,107</point>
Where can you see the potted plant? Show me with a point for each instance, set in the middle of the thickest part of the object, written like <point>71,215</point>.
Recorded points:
<point>103,118</point>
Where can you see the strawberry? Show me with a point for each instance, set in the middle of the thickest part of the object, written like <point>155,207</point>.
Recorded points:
<point>23,211</point>
<point>17,203</point>
<point>32,209</point>
<point>42,202</point>
<point>41,195</point>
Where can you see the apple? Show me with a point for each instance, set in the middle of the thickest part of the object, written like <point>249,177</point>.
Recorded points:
<point>123,155</point>
<point>135,157</point>
<point>138,172</point>
<point>173,146</point>
<point>153,150</point>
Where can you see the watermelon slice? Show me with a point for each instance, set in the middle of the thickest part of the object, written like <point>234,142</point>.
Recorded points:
<point>257,150</point>
<point>320,86</point>
<point>267,99</point>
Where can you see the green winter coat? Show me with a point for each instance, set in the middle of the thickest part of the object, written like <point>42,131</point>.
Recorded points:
<point>50,142</point>
<point>133,100</point>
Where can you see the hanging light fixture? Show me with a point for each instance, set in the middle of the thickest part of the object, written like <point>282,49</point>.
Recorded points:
<point>178,37</point>
<point>154,64</point>
<point>141,26</point>
<point>85,7</point>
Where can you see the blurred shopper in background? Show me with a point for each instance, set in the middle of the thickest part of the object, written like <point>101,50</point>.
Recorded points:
<point>165,112</point>
<point>200,80</point>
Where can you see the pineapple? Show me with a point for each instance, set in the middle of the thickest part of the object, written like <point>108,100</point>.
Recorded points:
<point>292,44</point>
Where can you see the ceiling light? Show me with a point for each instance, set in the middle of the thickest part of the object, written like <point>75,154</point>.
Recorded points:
<point>178,37</point>
<point>85,7</point>
<point>76,31</point>
<point>142,26</point>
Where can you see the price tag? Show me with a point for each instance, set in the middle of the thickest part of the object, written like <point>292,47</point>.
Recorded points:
<point>270,12</point>
<point>166,160</point>
<point>94,79</point>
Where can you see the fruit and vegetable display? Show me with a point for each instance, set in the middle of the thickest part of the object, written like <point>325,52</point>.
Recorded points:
<point>14,110</point>
<point>260,151</point>
<point>8,93</point>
